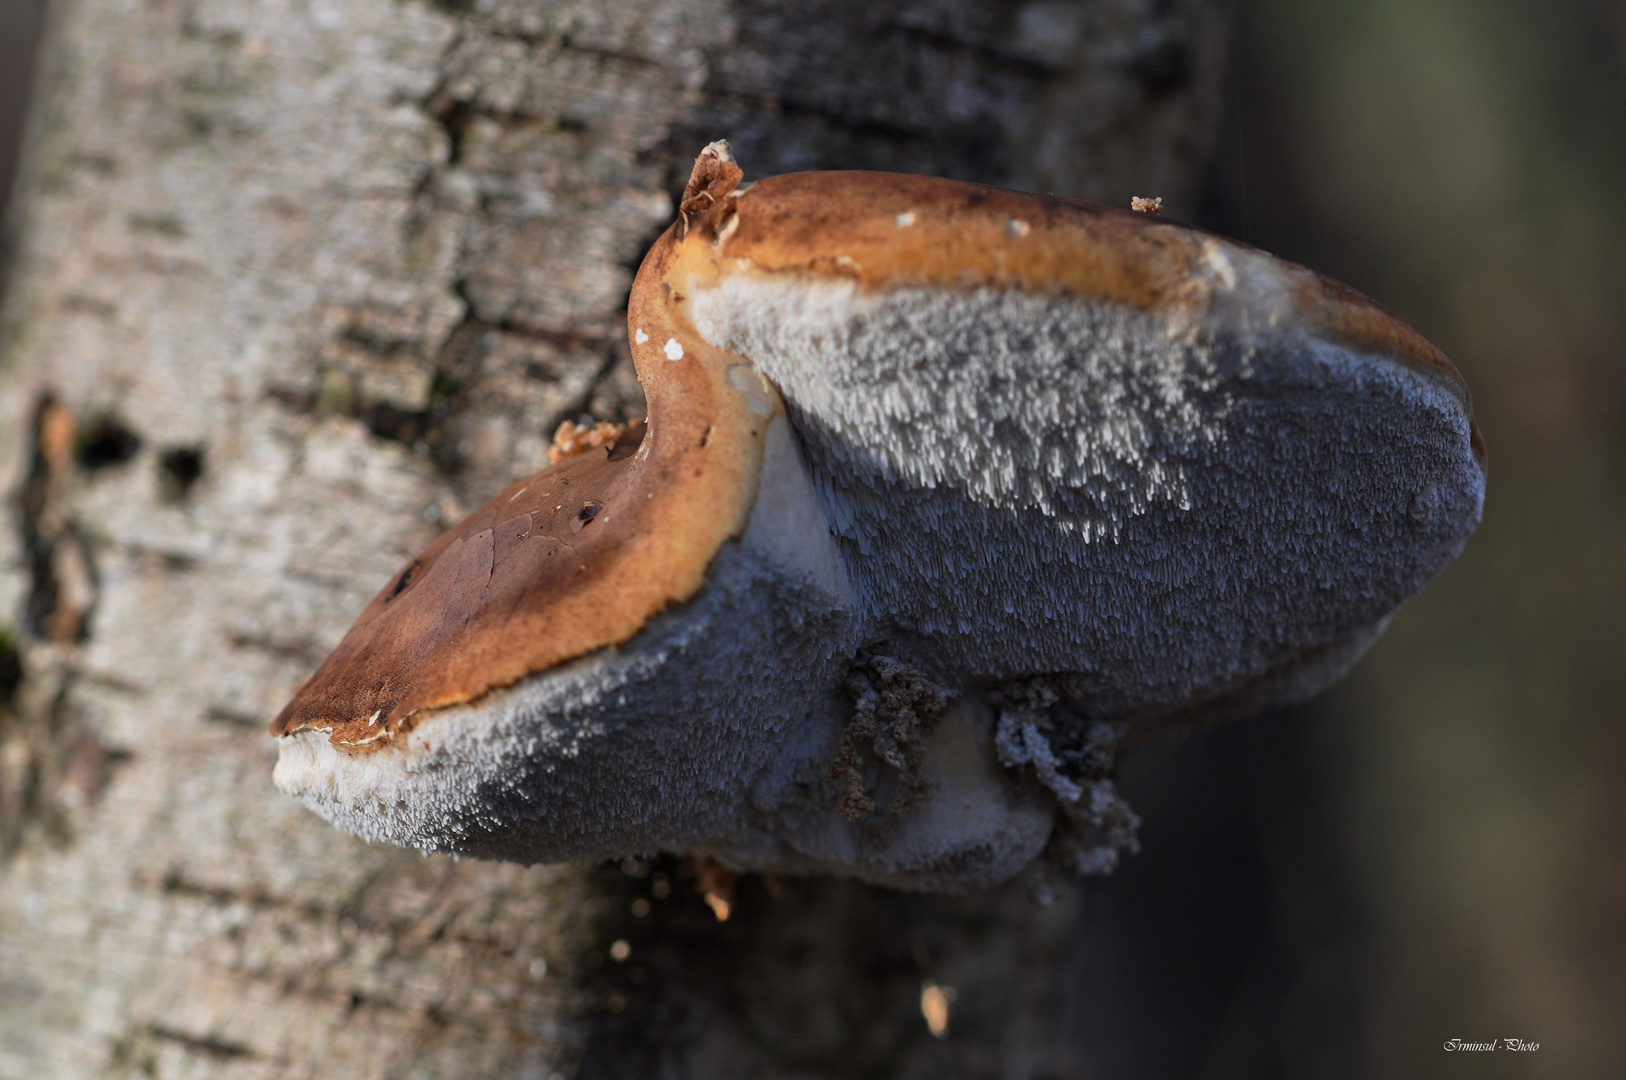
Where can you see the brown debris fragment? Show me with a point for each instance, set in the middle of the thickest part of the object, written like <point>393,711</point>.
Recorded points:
<point>64,587</point>
<point>572,438</point>
<point>894,708</point>
<point>716,885</point>
<point>706,199</point>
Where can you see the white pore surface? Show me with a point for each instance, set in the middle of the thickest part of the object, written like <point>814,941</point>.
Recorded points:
<point>1023,484</point>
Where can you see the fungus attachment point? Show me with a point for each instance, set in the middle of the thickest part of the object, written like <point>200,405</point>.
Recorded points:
<point>1142,205</point>
<point>953,490</point>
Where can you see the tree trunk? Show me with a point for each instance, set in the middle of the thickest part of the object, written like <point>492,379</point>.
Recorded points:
<point>298,282</point>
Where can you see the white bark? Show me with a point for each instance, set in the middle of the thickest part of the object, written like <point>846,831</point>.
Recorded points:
<point>356,259</point>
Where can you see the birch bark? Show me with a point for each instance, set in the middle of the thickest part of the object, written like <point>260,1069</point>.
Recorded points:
<point>297,281</point>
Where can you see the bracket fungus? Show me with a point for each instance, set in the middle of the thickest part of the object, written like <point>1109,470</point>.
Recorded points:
<point>943,490</point>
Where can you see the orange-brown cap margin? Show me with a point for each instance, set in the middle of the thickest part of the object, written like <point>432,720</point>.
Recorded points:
<point>577,557</point>
<point>886,231</point>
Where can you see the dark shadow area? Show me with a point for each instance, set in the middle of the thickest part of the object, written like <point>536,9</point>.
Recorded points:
<point>1340,889</point>
<point>1227,947</point>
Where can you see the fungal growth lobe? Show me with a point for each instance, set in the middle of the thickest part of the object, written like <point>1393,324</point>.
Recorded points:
<point>943,491</point>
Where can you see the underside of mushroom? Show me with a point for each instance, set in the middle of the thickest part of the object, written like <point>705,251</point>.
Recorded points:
<point>943,491</point>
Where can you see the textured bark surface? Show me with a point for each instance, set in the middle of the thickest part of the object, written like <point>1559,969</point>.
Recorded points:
<point>299,282</point>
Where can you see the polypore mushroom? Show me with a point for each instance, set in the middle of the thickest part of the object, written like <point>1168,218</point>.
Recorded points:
<point>942,488</point>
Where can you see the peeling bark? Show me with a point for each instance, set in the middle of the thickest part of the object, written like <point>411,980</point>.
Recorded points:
<point>299,282</point>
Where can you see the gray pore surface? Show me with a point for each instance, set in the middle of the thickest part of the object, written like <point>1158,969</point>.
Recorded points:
<point>1150,513</point>
<point>296,283</point>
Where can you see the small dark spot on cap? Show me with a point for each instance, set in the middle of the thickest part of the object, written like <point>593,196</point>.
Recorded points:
<point>406,579</point>
<point>587,513</point>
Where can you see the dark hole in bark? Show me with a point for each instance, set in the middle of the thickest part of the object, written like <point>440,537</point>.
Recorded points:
<point>178,469</point>
<point>11,669</point>
<point>399,425</point>
<point>455,118</point>
<point>105,441</point>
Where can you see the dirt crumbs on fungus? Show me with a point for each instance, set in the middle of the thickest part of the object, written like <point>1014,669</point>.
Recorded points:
<point>894,708</point>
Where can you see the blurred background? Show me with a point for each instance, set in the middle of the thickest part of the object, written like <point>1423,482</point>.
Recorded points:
<point>1437,848</point>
